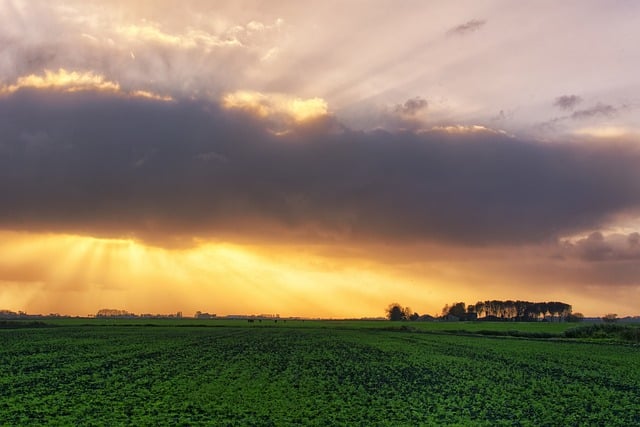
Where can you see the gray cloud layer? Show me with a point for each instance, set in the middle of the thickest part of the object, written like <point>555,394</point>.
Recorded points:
<point>597,247</point>
<point>105,164</point>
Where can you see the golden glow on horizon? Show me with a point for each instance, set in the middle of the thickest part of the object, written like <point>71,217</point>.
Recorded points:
<point>80,275</point>
<point>269,105</point>
<point>70,274</point>
<point>75,81</point>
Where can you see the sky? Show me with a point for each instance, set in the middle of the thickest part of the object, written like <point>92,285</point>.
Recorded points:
<point>319,159</point>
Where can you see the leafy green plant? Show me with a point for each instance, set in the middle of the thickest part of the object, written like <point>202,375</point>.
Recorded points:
<point>314,373</point>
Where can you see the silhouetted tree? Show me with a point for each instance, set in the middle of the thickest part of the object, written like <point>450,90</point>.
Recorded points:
<point>480,308</point>
<point>542,309</point>
<point>396,312</point>
<point>458,309</point>
<point>445,310</point>
<point>522,310</point>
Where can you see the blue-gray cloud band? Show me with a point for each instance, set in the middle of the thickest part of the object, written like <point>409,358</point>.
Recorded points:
<point>103,164</point>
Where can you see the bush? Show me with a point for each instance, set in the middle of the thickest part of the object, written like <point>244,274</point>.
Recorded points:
<point>605,330</point>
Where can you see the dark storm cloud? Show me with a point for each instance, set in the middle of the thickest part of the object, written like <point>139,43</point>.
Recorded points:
<point>161,171</point>
<point>412,106</point>
<point>468,27</point>
<point>567,102</point>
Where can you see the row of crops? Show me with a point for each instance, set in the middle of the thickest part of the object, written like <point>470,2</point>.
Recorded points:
<point>287,375</point>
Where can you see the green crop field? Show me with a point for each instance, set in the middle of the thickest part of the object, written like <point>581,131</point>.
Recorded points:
<point>188,372</point>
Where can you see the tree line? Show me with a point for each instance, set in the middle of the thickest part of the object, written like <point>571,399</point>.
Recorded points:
<point>518,310</point>
<point>494,310</point>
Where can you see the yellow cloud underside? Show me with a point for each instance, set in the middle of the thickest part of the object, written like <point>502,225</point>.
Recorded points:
<point>74,81</point>
<point>69,81</point>
<point>466,129</point>
<point>150,32</point>
<point>273,105</point>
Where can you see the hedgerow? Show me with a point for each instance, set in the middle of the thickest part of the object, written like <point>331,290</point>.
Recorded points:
<point>605,330</point>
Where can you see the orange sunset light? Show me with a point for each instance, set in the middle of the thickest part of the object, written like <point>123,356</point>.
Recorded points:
<point>79,275</point>
<point>242,159</point>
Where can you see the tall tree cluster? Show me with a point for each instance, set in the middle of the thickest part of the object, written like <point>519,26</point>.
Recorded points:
<point>396,312</point>
<point>518,310</point>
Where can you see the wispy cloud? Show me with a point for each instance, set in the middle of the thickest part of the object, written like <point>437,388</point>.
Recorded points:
<point>567,102</point>
<point>599,109</point>
<point>596,112</point>
<point>468,27</point>
<point>151,32</point>
<point>412,106</point>
<point>138,54</point>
